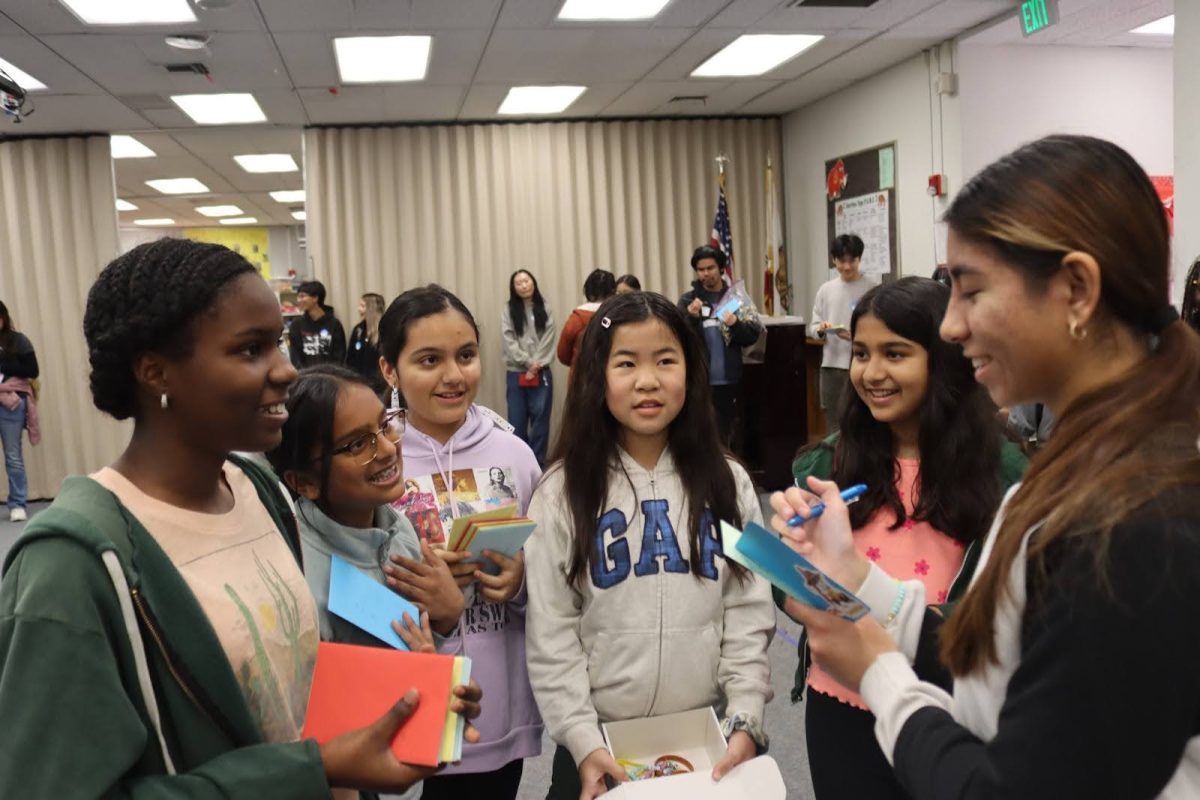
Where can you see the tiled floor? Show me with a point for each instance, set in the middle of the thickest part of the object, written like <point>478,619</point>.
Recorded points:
<point>785,722</point>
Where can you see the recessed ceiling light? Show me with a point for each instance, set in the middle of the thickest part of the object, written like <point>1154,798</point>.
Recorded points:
<point>129,147</point>
<point>540,99</point>
<point>220,109</point>
<point>288,196</point>
<point>186,41</point>
<point>755,54</point>
<point>1159,27</point>
<point>219,211</point>
<point>125,205</point>
<point>300,215</point>
<point>382,59</point>
<point>611,9</point>
<point>23,78</point>
<point>162,221</point>
<point>178,186</point>
<point>130,12</point>
<point>267,162</point>
<point>239,220</point>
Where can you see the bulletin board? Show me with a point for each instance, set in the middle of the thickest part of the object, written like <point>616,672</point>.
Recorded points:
<point>860,198</point>
<point>250,243</point>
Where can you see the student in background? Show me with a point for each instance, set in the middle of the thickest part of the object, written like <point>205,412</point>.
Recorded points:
<point>430,355</point>
<point>921,434</point>
<point>598,287</point>
<point>157,637</point>
<point>723,335</point>
<point>830,321</point>
<point>362,355</point>
<point>1060,257</point>
<point>18,410</point>
<point>528,330</point>
<point>602,643</point>
<point>316,336</point>
<point>627,284</point>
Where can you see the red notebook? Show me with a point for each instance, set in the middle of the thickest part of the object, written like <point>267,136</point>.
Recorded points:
<point>354,686</point>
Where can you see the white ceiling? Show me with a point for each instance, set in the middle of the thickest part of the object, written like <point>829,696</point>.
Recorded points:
<point>114,79</point>
<point>1088,23</point>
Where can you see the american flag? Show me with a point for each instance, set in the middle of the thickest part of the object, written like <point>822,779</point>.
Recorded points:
<point>722,236</point>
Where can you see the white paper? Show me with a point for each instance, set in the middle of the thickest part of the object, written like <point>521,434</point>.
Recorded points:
<point>867,216</point>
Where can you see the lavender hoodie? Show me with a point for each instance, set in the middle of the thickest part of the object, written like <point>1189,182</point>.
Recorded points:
<point>491,634</point>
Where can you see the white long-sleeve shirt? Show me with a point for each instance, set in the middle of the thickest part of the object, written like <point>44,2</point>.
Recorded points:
<point>834,304</point>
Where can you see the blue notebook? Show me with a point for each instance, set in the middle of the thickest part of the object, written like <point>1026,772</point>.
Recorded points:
<point>357,598</point>
<point>762,552</point>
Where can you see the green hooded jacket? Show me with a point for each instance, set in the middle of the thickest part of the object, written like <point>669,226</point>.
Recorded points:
<point>74,714</point>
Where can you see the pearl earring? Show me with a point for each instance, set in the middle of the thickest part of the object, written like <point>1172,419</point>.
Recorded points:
<point>163,400</point>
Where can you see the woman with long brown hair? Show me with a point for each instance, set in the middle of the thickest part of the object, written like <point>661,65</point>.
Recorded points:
<point>1074,655</point>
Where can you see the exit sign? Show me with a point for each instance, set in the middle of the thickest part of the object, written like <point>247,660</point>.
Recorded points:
<point>1037,14</point>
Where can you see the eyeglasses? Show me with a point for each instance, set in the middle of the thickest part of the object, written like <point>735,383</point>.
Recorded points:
<point>364,448</point>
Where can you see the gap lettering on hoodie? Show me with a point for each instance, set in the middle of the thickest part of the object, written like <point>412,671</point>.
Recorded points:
<point>611,562</point>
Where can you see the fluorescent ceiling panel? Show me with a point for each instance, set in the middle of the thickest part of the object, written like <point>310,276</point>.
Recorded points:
<point>23,78</point>
<point>239,220</point>
<point>129,147</point>
<point>755,54</point>
<point>178,186</point>
<point>267,162</point>
<point>162,221</point>
<point>540,99</point>
<point>219,211</point>
<point>288,196</point>
<point>230,108</point>
<point>382,59</point>
<point>611,9</point>
<point>130,12</point>
<point>125,205</point>
<point>300,215</point>
<point>1159,27</point>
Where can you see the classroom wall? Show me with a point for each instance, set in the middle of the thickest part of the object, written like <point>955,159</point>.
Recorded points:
<point>1187,138</point>
<point>1014,94</point>
<point>897,105</point>
<point>283,245</point>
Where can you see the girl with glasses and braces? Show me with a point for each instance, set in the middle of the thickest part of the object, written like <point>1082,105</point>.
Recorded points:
<point>340,455</point>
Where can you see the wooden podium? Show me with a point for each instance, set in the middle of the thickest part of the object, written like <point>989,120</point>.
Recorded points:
<point>778,400</point>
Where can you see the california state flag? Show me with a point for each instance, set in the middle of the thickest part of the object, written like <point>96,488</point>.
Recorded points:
<point>777,295</point>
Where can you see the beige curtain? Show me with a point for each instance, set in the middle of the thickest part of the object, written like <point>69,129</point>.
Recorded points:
<point>58,228</point>
<point>466,205</point>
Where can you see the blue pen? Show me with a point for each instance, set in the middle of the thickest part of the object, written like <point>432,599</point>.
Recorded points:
<point>848,496</point>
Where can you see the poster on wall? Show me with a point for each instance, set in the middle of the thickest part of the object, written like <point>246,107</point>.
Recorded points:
<point>860,198</point>
<point>868,217</point>
<point>250,243</point>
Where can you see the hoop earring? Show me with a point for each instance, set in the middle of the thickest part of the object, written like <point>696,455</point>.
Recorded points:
<point>164,401</point>
<point>1077,333</point>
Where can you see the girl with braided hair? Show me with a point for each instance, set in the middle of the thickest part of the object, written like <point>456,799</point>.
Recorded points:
<point>157,637</point>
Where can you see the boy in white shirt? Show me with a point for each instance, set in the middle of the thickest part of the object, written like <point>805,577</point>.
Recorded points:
<point>831,315</point>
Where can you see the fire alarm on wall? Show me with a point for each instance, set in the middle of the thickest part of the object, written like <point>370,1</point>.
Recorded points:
<point>937,185</point>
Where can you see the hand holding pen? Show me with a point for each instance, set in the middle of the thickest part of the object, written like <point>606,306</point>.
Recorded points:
<point>818,528</point>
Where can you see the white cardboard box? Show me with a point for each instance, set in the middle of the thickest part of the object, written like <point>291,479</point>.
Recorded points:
<point>696,736</point>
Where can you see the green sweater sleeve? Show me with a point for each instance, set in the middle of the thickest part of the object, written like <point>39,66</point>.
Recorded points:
<point>73,711</point>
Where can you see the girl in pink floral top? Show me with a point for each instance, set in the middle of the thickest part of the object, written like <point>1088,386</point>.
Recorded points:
<point>920,433</point>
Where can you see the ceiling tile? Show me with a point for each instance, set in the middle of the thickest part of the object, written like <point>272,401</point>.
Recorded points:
<point>576,56</point>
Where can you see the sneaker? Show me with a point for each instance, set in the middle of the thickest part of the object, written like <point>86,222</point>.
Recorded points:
<point>17,515</point>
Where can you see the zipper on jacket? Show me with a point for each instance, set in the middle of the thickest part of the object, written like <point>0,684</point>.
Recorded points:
<point>658,581</point>
<point>156,635</point>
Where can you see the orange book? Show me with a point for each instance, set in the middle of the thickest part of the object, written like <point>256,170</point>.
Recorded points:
<point>354,686</point>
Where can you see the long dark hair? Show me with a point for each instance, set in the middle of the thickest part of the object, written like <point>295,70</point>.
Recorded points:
<point>516,306</point>
<point>587,448</point>
<point>7,330</point>
<point>308,433</point>
<point>959,440</point>
<point>1191,287</point>
<point>1123,444</point>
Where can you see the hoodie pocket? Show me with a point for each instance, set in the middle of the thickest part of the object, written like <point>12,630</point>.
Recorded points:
<point>621,673</point>
<point>688,678</point>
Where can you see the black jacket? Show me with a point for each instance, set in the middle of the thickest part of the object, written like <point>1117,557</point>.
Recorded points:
<point>363,357</point>
<point>726,366</point>
<point>312,342</point>
<point>19,360</point>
